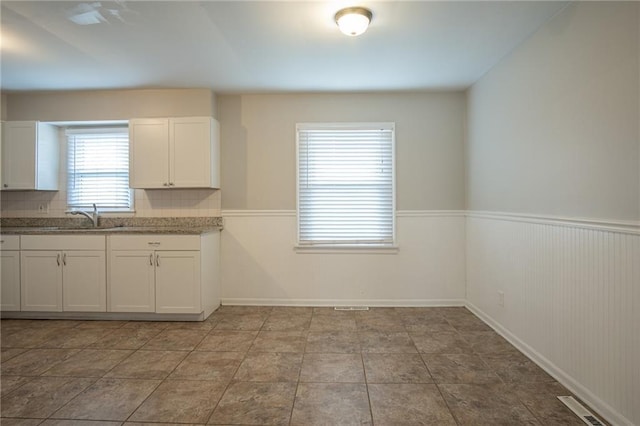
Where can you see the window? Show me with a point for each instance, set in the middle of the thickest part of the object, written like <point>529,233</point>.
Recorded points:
<point>345,184</point>
<point>98,169</point>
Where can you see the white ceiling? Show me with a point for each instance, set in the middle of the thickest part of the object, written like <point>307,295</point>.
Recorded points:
<point>257,46</point>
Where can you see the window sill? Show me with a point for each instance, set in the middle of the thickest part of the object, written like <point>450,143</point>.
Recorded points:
<point>383,249</point>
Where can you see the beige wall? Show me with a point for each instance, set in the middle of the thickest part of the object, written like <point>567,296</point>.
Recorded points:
<point>553,129</point>
<point>258,145</point>
<point>110,104</point>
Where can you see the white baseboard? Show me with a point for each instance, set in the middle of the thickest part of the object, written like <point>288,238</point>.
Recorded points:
<point>603,409</point>
<point>343,302</point>
<point>104,316</point>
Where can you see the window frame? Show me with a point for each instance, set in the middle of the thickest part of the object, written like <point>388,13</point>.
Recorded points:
<point>374,248</point>
<point>96,129</point>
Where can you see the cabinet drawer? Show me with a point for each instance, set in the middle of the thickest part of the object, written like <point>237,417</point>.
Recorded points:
<point>154,242</point>
<point>63,242</point>
<point>10,242</point>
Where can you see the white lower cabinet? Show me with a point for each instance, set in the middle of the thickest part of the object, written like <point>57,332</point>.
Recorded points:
<point>10,271</point>
<point>63,273</point>
<point>131,281</point>
<point>165,274</point>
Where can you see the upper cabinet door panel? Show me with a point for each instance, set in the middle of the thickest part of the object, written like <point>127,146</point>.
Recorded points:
<point>30,156</point>
<point>190,159</point>
<point>149,153</point>
<point>19,155</point>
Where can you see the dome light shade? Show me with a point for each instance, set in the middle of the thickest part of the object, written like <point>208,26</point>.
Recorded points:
<point>353,21</point>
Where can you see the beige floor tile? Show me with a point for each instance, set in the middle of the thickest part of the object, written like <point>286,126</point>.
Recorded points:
<point>180,402</point>
<point>244,310</point>
<point>256,404</point>
<point>329,322</point>
<point>333,341</point>
<point>41,396</point>
<point>227,341</point>
<point>279,341</point>
<point>10,383</point>
<point>284,322</point>
<point>486,342</point>
<point>459,368</point>
<point>26,337</point>
<point>395,368</point>
<point>291,310</point>
<point>485,405</point>
<point>102,324</point>
<point>125,338</point>
<point>441,342</point>
<point>330,367</point>
<point>240,322</point>
<point>191,325</point>
<point>219,366</point>
<point>331,404</point>
<point>88,363</point>
<point>408,404</point>
<point>147,365</point>
<point>52,422</point>
<point>468,323</point>
<point>7,353</point>
<point>270,367</point>
<point>77,337</point>
<point>108,399</point>
<point>386,342</point>
<point>20,422</point>
<point>379,323</point>
<point>147,325</point>
<point>36,361</point>
<point>176,340</point>
<point>426,324</point>
<point>541,399</point>
<point>515,367</point>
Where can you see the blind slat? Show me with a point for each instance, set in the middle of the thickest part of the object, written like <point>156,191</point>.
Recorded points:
<point>98,168</point>
<point>345,183</point>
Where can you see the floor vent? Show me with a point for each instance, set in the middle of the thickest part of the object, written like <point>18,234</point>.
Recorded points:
<point>351,308</point>
<point>581,411</point>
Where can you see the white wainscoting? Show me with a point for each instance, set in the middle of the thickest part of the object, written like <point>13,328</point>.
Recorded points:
<point>571,301</point>
<point>260,266</point>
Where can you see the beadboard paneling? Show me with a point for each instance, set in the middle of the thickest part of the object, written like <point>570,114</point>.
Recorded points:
<point>572,302</point>
<point>260,266</point>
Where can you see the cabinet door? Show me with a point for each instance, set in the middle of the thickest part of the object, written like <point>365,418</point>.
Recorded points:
<point>131,281</point>
<point>190,152</point>
<point>19,154</point>
<point>10,284</point>
<point>178,282</point>
<point>149,153</point>
<point>84,285</point>
<point>41,280</point>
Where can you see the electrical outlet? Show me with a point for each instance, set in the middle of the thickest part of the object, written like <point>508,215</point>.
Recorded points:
<point>501,299</point>
<point>43,208</point>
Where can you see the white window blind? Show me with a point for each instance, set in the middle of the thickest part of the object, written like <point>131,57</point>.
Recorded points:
<point>345,184</point>
<point>98,168</point>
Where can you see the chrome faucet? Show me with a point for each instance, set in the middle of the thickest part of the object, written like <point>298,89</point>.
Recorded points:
<point>93,216</point>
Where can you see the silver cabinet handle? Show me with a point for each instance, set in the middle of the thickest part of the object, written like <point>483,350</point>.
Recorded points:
<point>171,184</point>
<point>157,260</point>
<point>165,184</point>
<point>58,259</point>
<point>153,243</point>
<point>64,259</point>
<point>5,185</point>
<point>151,259</point>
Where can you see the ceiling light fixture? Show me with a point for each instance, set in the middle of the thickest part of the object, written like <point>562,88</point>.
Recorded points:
<point>353,21</point>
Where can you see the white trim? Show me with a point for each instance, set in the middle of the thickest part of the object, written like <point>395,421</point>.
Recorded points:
<point>338,249</point>
<point>430,213</point>
<point>627,227</point>
<point>107,316</point>
<point>258,213</point>
<point>604,409</point>
<point>343,302</point>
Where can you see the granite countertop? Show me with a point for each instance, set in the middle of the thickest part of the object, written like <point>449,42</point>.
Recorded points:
<point>52,230</point>
<point>107,225</point>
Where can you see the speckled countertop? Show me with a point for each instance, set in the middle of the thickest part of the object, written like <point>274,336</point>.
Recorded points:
<point>61,226</point>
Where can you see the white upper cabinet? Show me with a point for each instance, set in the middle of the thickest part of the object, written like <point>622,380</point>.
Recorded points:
<point>174,153</point>
<point>30,156</point>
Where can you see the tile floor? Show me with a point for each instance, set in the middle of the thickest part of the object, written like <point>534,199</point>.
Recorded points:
<point>276,366</point>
